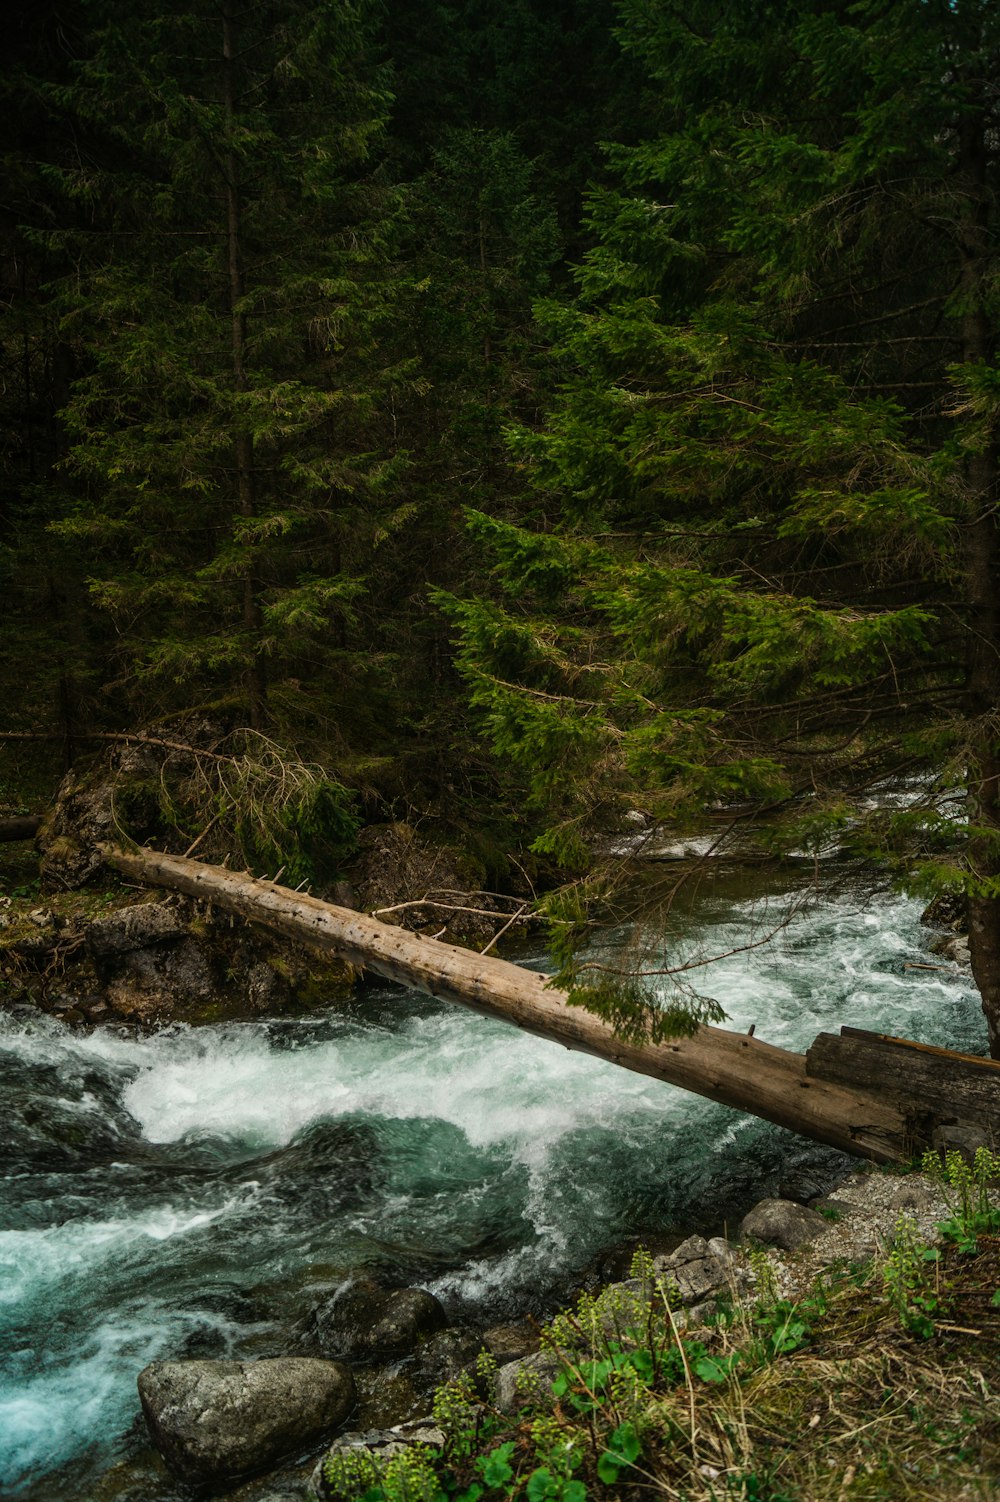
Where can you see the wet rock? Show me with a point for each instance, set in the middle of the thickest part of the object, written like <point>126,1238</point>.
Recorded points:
<point>782,1223</point>
<point>446,1354</point>
<point>405,1389</point>
<point>697,1268</point>
<point>947,910</point>
<point>219,1421</point>
<point>954,947</point>
<point>406,1316</point>
<point>529,1379</point>
<point>364,1320</point>
<point>511,1341</point>
<point>380,1444</point>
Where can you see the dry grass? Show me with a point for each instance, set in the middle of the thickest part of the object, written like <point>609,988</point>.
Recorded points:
<point>863,1413</point>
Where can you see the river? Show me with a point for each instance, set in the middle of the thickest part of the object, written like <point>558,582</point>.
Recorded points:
<point>192,1192</point>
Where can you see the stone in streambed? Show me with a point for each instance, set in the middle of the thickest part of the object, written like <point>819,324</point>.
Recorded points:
<point>218,1421</point>
<point>782,1223</point>
<point>364,1320</point>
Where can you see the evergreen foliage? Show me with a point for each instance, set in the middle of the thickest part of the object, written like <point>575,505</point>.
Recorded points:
<point>313,363</point>
<point>754,573</point>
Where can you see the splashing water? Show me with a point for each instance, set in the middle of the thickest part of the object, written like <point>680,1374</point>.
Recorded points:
<point>193,1192</point>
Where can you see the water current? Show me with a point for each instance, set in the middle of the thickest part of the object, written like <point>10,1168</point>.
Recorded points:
<point>192,1192</point>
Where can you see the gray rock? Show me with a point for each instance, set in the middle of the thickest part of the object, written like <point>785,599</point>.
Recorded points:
<point>634,818</point>
<point>219,1421</point>
<point>696,1268</point>
<point>393,1441</point>
<point>512,1341</point>
<point>443,1356</point>
<point>380,1444</point>
<point>406,1316</point>
<point>782,1223</point>
<point>963,1139</point>
<point>529,1379</point>
<point>132,928</point>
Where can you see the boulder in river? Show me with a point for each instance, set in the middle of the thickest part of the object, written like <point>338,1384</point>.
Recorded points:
<point>216,1422</point>
<point>365,1320</point>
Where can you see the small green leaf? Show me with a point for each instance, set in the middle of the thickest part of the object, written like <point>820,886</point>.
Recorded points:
<point>715,1368</point>
<point>608,1466</point>
<point>541,1485</point>
<point>495,1467</point>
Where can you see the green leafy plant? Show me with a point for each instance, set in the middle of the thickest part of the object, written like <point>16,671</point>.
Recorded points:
<point>906,1280</point>
<point>972,1191</point>
<point>495,1467</point>
<point>547,1486</point>
<point>624,1449</point>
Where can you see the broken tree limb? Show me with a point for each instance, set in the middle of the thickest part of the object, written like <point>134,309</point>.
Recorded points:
<point>733,1069</point>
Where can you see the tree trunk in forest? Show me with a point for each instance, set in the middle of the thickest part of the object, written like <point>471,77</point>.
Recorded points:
<point>982,555</point>
<point>733,1069</point>
<point>243,443</point>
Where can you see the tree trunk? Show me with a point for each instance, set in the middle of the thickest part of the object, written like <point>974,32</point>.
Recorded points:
<point>733,1069</point>
<point>256,679</point>
<point>982,553</point>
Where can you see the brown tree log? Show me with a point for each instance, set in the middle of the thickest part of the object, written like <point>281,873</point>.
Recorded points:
<point>733,1069</point>
<point>24,828</point>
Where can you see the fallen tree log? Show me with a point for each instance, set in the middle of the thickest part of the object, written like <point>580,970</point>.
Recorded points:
<point>953,1088</point>
<point>731,1068</point>
<point>24,828</point>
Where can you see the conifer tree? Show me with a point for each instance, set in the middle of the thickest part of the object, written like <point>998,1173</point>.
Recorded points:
<point>228,310</point>
<point>762,565</point>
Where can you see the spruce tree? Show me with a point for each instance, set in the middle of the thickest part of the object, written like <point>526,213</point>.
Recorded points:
<point>228,308</point>
<point>761,565</point>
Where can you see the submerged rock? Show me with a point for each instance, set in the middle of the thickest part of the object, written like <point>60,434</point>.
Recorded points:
<point>219,1421</point>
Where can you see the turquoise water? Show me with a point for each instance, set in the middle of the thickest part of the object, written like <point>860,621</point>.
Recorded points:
<point>194,1192</point>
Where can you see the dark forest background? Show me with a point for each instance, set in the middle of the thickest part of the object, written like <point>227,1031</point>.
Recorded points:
<point>524,413</point>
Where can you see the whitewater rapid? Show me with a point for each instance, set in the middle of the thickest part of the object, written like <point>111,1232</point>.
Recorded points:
<point>194,1191</point>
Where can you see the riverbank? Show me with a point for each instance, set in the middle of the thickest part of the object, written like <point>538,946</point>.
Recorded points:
<point>859,1361</point>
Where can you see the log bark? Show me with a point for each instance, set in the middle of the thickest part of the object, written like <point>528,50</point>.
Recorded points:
<point>20,829</point>
<point>730,1068</point>
<point>951,1086</point>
